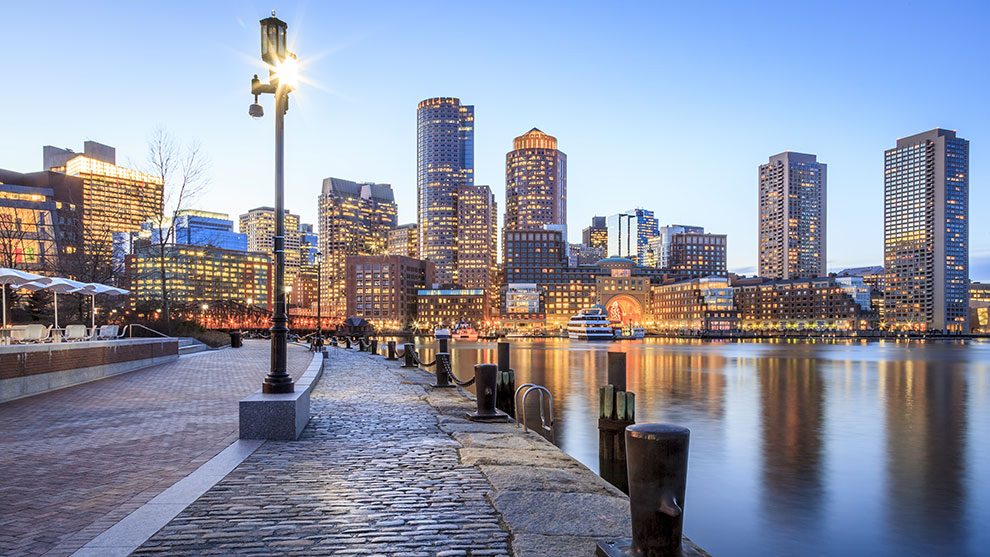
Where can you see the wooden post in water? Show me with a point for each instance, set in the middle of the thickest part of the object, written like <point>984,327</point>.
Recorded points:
<point>616,410</point>
<point>505,382</point>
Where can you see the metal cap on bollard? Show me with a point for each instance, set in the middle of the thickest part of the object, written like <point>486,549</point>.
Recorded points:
<point>656,460</point>
<point>443,372</point>
<point>485,376</point>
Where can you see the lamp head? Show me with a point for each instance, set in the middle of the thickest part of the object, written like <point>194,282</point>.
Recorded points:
<point>255,110</point>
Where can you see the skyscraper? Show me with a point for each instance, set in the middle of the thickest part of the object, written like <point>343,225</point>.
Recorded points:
<point>404,240</point>
<point>535,183</point>
<point>596,235</point>
<point>629,234</point>
<point>926,232</point>
<point>259,225</point>
<point>792,217</point>
<point>477,239</point>
<point>355,219</point>
<point>444,163</point>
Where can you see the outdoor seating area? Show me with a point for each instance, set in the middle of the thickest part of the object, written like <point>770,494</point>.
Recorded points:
<point>37,333</point>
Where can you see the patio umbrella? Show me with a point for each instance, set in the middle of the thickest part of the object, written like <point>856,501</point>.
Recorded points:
<point>95,288</point>
<point>14,278</point>
<point>56,285</point>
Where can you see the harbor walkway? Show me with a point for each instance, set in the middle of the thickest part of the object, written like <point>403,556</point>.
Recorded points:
<point>77,460</point>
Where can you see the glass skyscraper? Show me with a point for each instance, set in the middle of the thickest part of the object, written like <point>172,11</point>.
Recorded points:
<point>792,217</point>
<point>444,163</point>
<point>926,232</point>
<point>629,234</point>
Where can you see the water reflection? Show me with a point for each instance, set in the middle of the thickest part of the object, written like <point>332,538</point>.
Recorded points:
<point>824,448</point>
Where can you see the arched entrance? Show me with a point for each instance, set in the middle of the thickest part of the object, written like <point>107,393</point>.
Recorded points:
<point>624,309</point>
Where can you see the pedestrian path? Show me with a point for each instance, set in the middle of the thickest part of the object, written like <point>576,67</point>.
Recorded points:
<point>78,460</point>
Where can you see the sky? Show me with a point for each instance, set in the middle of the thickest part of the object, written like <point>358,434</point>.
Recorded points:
<point>666,106</point>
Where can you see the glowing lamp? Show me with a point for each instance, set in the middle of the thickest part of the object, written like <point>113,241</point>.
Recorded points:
<point>273,49</point>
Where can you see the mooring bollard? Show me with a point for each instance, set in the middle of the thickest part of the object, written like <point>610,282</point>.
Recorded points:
<point>408,355</point>
<point>347,342</point>
<point>374,346</point>
<point>444,347</point>
<point>484,381</point>
<point>443,371</point>
<point>391,351</point>
<point>657,462</point>
<point>505,384</point>
<point>616,411</point>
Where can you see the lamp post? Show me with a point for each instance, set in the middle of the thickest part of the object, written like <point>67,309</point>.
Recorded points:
<point>282,71</point>
<point>319,297</point>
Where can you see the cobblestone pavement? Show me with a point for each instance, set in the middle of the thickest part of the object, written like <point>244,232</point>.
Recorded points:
<point>77,460</point>
<point>372,474</point>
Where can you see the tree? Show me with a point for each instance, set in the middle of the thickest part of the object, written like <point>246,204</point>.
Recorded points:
<point>183,171</point>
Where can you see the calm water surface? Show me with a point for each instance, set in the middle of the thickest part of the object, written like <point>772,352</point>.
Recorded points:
<point>797,448</point>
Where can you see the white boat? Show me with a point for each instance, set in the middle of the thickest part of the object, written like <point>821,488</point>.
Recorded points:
<point>590,324</point>
<point>464,331</point>
<point>630,333</point>
<point>441,334</point>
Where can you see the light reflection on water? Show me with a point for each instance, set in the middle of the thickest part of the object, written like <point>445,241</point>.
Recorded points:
<point>797,448</point>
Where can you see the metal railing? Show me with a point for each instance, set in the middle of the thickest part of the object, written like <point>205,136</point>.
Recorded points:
<point>546,418</point>
<point>129,330</point>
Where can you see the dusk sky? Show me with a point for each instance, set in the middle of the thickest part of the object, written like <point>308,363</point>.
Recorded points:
<point>666,106</point>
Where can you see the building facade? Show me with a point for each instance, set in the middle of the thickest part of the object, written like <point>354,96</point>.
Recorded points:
<point>477,237</point>
<point>926,233</point>
<point>699,304</point>
<point>446,307</point>
<point>660,246</point>
<point>535,183</point>
<point>792,204</point>
<point>596,235</point>
<point>629,234</point>
<point>33,225</point>
<point>444,163</point>
<point>258,225</point>
<point>384,289</point>
<point>206,228</point>
<point>354,219</point>
<point>800,304</point>
<point>691,255</point>
<point>404,240</point>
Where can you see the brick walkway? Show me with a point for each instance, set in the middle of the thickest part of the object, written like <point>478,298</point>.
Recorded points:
<point>372,474</point>
<point>76,461</point>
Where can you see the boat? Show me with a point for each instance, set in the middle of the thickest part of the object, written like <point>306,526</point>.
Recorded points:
<point>464,331</point>
<point>441,334</point>
<point>590,324</point>
<point>629,333</point>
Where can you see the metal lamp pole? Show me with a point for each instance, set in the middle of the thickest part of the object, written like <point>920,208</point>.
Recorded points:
<point>274,53</point>
<point>319,297</point>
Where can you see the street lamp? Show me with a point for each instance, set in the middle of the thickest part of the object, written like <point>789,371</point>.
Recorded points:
<point>282,75</point>
<point>319,297</point>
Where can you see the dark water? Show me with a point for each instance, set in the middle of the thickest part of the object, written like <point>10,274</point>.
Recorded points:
<point>797,448</point>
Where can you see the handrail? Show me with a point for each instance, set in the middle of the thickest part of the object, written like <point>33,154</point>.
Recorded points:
<point>130,330</point>
<point>544,423</point>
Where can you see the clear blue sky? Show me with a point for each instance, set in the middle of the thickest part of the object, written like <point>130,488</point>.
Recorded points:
<point>667,106</point>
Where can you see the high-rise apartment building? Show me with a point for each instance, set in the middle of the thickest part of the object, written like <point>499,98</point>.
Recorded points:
<point>259,225</point>
<point>535,183</point>
<point>404,240</point>
<point>477,239</point>
<point>115,199</point>
<point>792,217</point>
<point>629,234</point>
<point>596,235</point>
<point>355,219</point>
<point>926,232</point>
<point>444,163</point>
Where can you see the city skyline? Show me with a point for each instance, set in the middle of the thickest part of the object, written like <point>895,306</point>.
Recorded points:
<point>372,131</point>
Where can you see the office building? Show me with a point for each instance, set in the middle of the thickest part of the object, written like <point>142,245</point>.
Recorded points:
<point>535,183</point>
<point>926,233</point>
<point>40,220</point>
<point>873,280</point>
<point>446,307</point>
<point>259,226</point>
<point>802,304</point>
<point>354,219</point>
<point>596,235</point>
<point>696,255</point>
<point>582,254</point>
<point>629,234</point>
<point>206,228</point>
<point>384,289</point>
<point>694,305</point>
<point>444,163</point>
<point>309,245</point>
<point>659,247</point>
<point>792,217</point>
<point>477,237</point>
<point>404,240</point>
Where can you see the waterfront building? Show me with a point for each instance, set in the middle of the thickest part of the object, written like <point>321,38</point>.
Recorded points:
<point>926,233</point>
<point>979,291</point>
<point>384,289</point>
<point>629,234</point>
<point>206,228</point>
<point>596,235</point>
<point>446,307</point>
<point>694,305</point>
<point>693,254</point>
<point>532,257</point>
<point>477,237</point>
<point>444,163</point>
<point>659,247</point>
<point>873,279</point>
<point>799,304</point>
<point>535,183</point>
<point>114,199</point>
<point>792,217</point>
<point>259,226</point>
<point>354,219</point>
<point>404,240</point>
<point>200,274</point>
<point>979,307</point>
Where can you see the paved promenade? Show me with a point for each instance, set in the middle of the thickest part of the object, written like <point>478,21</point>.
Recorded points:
<point>77,460</point>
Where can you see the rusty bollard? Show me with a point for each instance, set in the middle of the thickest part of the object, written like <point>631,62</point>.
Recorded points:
<point>505,384</point>
<point>407,354</point>
<point>374,346</point>
<point>443,371</point>
<point>391,351</point>
<point>657,459</point>
<point>484,382</point>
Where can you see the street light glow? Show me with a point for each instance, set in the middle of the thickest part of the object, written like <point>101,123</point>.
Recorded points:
<point>288,72</point>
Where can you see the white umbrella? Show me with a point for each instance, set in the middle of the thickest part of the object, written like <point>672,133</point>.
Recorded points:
<point>14,278</point>
<point>95,288</point>
<point>56,285</point>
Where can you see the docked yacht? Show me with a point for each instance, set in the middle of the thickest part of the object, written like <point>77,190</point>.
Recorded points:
<point>629,333</point>
<point>590,324</point>
<point>464,331</point>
